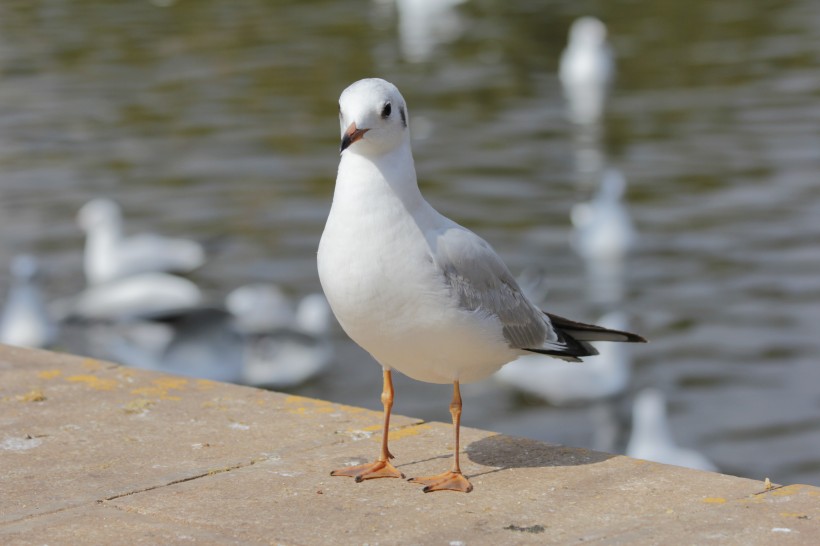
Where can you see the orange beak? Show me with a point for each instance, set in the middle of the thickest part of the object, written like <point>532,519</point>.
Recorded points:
<point>351,135</point>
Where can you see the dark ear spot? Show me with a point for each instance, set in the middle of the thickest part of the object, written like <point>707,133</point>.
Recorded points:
<point>403,116</point>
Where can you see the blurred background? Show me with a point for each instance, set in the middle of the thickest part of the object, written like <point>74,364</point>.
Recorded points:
<point>216,121</point>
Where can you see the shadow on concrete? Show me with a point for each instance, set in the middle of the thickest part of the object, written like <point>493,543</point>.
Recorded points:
<point>506,452</point>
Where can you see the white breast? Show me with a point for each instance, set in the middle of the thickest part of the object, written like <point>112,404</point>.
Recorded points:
<point>376,269</point>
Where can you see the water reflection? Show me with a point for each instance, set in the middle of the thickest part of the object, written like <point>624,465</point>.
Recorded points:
<point>217,121</point>
<point>603,237</point>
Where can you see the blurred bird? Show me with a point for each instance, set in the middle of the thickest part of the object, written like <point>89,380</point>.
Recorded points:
<point>25,320</point>
<point>109,255</point>
<point>651,437</point>
<point>260,308</point>
<point>424,24</point>
<point>200,342</point>
<point>561,383</point>
<point>586,70</point>
<point>146,295</point>
<point>283,348</point>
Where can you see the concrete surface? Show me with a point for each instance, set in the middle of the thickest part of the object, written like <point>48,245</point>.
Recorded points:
<point>96,453</point>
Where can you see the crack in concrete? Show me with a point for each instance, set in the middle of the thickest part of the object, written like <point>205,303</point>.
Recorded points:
<point>133,492</point>
<point>181,480</point>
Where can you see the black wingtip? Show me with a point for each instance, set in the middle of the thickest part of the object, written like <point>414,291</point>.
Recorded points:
<point>592,332</point>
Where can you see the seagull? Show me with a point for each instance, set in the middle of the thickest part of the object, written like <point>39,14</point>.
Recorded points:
<point>109,255</point>
<point>260,308</point>
<point>586,70</point>
<point>422,294</point>
<point>651,438</point>
<point>24,320</point>
<point>283,348</point>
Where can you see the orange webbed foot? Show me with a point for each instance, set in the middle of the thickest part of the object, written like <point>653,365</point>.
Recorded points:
<point>447,481</point>
<point>369,471</point>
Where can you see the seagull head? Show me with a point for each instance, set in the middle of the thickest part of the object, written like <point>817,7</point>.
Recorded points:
<point>588,31</point>
<point>98,212</point>
<point>373,117</point>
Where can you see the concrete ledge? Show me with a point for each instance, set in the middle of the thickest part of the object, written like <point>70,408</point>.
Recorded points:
<point>96,453</point>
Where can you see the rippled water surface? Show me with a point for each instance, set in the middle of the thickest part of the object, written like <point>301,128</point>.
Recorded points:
<point>218,120</point>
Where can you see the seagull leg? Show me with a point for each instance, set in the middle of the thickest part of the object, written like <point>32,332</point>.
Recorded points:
<point>381,467</point>
<point>452,480</point>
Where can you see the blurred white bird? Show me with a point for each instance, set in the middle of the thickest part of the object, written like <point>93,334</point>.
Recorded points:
<point>109,255</point>
<point>25,321</point>
<point>560,383</point>
<point>284,355</point>
<point>260,308</point>
<point>424,24</point>
<point>586,70</point>
<point>651,437</point>
<point>145,295</point>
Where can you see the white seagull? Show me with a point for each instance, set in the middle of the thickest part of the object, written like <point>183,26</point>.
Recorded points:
<point>109,255</point>
<point>586,70</point>
<point>283,348</point>
<point>422,294</point>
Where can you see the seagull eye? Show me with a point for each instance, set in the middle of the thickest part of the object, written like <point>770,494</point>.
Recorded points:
<point>386,110</point>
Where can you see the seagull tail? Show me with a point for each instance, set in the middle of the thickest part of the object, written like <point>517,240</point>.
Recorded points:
<point>575,337</point>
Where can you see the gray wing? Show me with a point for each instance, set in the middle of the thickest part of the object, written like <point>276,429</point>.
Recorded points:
<point>480,281</point>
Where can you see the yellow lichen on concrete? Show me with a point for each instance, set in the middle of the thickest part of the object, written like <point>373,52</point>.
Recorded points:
<point>798,515</point>
<point>34,395</point>
<point>308,406</point>
<point>407,431</point>
<point>714,500</point>
<point>206,384</point>
<point>139,405</point>
<point>49,374</point>
<point>794,489</point>
<point>94,382</point>
<point>160,388</point>
<point>91,364</point>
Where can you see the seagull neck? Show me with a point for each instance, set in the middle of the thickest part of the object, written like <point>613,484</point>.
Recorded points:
<point>392,171</point>
<point>104,236</point>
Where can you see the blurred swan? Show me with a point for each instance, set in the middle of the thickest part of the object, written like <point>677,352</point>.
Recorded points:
<point>286,355</point>
<point>109,255</point>
<point>24,320</point>
<point>424,24</point>
<point>651,438</point>
<point>586,70</point>
<point>140,296</point>
<point>603,236</point>
<point>560,383</point>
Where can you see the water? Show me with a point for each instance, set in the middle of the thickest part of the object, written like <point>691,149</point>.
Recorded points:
<point>218,120</point>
